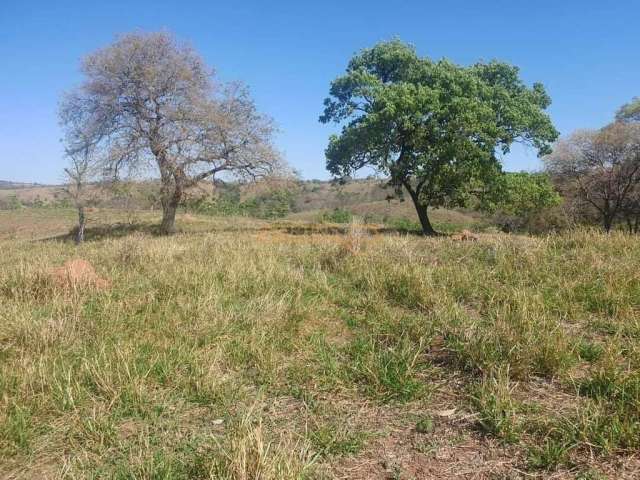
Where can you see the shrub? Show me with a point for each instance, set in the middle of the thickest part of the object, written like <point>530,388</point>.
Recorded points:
<point>403,225</point>
<point>269,205</point>
<point>11,202</point>
<point>337,215</point>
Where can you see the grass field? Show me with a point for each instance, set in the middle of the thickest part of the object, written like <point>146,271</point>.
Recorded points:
<point>250,350</point>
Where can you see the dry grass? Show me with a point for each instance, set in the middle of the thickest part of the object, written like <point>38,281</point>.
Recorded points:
<point>241,352</point>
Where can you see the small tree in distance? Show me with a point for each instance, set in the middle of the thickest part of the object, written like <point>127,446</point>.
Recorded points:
<point>81,168</point>
<point>147,100</point>
<point>433,128</point>
<point>79,173</point>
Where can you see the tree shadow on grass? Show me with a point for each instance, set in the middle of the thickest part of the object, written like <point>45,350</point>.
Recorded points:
<point>333,229</point>
<point>108,231</point>
<point>121,230</point>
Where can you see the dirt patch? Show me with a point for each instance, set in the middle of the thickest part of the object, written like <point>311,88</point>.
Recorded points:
<point>449,452</point>
<point>78,273</point>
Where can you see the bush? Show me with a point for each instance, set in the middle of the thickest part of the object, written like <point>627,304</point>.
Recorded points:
<point>521,201</point>
<point>269,205</point>
<point>337,215</point>
<point>403,225</point>
<point>547,220</point>
<point>11,202</point>
<point>274,204</point>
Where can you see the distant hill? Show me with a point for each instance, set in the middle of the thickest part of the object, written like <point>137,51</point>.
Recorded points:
<point>5,184</point>
<point>369,198</point>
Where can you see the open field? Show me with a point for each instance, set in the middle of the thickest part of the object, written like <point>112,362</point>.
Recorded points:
<point>311,199</point>
<point>244,349</point>
<point>43,223</point>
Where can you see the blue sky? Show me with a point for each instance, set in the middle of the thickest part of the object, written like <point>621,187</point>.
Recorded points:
<point>585,52</point>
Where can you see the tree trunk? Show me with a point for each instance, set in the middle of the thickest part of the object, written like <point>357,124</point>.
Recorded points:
<point>170,197</point>
<point>82,221</point>
<point>607,222</point>
<point>633,223</point>
<point>169,208</point>
<point>427,228</point>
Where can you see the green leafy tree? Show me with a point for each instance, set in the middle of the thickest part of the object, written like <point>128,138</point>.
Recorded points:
<point>518,197</point>
<point>274,204</point>
<point>434,128</point>
<point>629,112</point>
<point>270,204</point>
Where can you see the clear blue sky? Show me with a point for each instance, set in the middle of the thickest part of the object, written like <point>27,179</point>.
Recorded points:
<point>587,53</point>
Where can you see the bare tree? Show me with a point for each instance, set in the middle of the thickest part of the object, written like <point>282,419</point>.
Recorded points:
<point>79,173</point>
<point>601,167</point>
<point>148,100</point>
<point>80,152</point>
<point>630,210</point>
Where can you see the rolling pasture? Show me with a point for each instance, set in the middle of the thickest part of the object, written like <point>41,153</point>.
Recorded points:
<point>247,349</point>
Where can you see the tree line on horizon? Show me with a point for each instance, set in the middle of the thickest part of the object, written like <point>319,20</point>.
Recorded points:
<point>434,130</point>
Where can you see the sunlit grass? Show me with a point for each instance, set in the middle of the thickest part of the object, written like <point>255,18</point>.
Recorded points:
<point>261,354</point>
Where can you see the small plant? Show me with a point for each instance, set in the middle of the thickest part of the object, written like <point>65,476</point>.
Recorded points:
<point>425,425</point>
<point>335,439</point>
<point>496,408</point>
<point>590,474</point>
<point>589,351</point>
<point>248,454</point>
<point>603,384</point>
<point>15,429</point>
<point>550,454</point>
<point>387,371</point>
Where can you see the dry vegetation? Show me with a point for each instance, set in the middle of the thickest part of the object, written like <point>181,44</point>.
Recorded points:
<point>271,355</point>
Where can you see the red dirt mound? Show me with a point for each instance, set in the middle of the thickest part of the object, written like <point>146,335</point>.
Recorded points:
<point>78,273</point>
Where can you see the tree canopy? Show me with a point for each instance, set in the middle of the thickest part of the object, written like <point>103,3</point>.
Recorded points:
<point>629,112</point>
<point>601,170</point>
<point>434,128</point>
<point>148,100</point>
